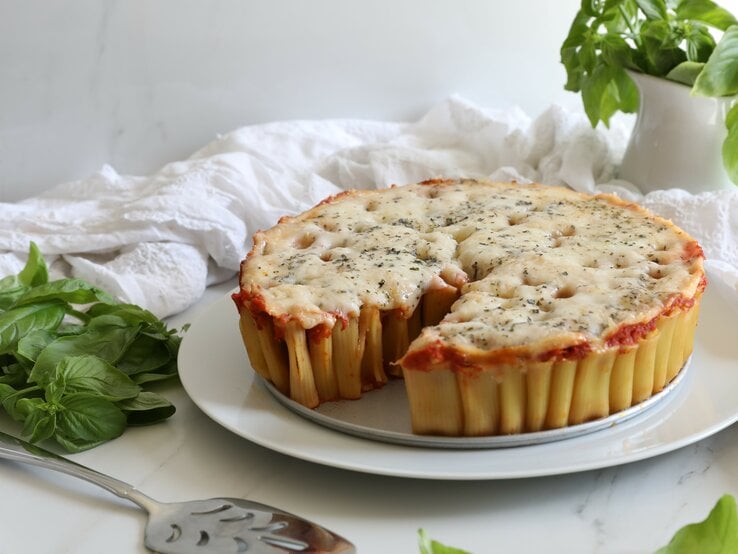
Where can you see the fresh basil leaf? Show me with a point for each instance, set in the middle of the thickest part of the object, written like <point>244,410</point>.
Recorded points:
<point>685,73</point>
<point>161,333</point>
<point>624,14</point>
<point>719,77</point>
<point>13,287</point>
<point>717,533</point>
<point>67,328</point>
<point>661,47</point>
<point>18,322</point>
<point>577,30</point>
<point>11,283</point>
<point>570,52</point>
<point>30,346</point>
<point>40,422</point>
<point>74,291</point>
<point>26,405</point>
<point>706,11</point>
<point>106,321</point>
<point>11,291</point>
<point>130,313</point>
<point>148,407</point>
<point>588,56</point>
<point>430,546</point>
<point>127,318</point>
<point>35,272</point>
<point>14,401</point>
<point>610,102</point>
<point>731,120</point>
<point>19,403</point>
<point>55,389</point>
<point>94,375</point>
<point>86,420</point>
<point>653,9</point>
<point>616,51</point>
<point>160,375</point>
<point>109,345</point>
<point>10,403</point>
<point>627,8</point>
<point>628,95</point>
<point>145,354</point>
<point>594,90</point>
<point>730,145</point>
<point>589,8</point>
<point>6,391</point>
<point>700,43</point>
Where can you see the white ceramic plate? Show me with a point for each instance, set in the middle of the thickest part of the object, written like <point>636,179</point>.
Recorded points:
<point>215,373</point>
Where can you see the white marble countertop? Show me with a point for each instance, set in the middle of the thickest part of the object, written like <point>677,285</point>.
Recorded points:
<point>631,508</point>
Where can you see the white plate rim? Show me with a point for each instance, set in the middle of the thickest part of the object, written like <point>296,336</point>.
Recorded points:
<point>230,395</point>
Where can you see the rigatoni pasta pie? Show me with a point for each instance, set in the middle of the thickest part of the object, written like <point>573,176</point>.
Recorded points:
<point>506,308</point>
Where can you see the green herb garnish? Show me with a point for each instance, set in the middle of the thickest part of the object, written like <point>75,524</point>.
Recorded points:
<point>664,38</point>
<point>74,361</point>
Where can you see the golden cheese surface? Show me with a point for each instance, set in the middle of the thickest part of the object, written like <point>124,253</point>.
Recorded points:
<point>537,266</point>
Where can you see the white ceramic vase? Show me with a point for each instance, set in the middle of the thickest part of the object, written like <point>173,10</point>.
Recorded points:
<point>677,138</point>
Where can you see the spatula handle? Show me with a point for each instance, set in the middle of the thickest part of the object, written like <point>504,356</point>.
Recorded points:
<point>18,450</point>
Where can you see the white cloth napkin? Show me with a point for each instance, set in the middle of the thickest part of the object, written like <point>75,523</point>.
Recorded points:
<point>159,240</point>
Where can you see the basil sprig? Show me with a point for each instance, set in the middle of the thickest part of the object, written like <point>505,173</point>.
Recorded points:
<point>74,362</point>
<point>664,38</point>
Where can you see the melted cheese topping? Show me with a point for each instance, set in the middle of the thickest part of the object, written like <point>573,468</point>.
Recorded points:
<point>539,267</point>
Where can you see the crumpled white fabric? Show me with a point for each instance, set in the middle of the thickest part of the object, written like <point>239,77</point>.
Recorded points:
<point>159,240</point>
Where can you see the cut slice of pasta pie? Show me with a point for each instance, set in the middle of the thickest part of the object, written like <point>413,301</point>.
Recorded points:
<point>506,308</point>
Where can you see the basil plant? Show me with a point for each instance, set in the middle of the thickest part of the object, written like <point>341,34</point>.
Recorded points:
<point>693,42</point>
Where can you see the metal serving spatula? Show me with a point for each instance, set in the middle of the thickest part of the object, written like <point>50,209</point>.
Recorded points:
<point>217,525</point>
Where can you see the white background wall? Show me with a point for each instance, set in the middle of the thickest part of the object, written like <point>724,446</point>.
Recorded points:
<point>137,83</point>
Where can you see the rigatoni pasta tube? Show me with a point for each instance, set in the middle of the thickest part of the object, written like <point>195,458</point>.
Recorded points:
<point>348,349</point>
<point>372,368</point>
<point>320,346</point>
<point>302,383</point>
<point>395,341</point>
<point>276,357</point>
<point>250,336</point>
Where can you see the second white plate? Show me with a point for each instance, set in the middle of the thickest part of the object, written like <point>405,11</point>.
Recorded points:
<point>215,373</point>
